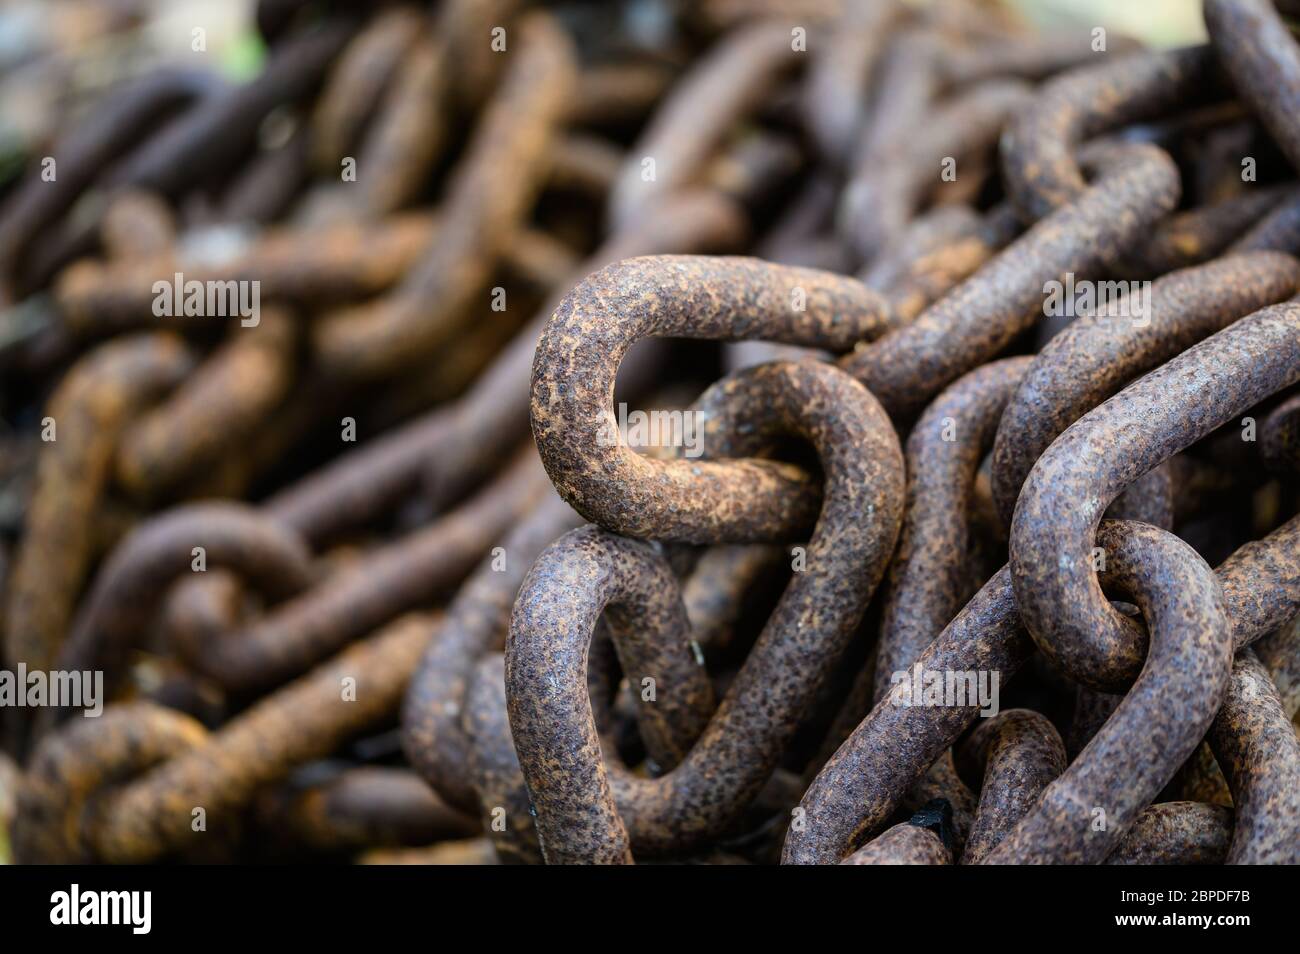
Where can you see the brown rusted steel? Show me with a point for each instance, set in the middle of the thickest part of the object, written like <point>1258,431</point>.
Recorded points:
<point>1255,743</point>
<point>929,575</point>
<point>87,802</point>
<point>838,82</point>
<point>137,223</point>
<point>399,150</point>
<point>505,806</point>
<point>90,408</point>
<point>907,82</point>
<point>1198,235</point>
<point>719,586</point>
<point>1083,814</point>
<point>1261,582</point>
<point>610,812</point>
<point>598,737</point>
<point>461,443</point>
<point>469,851</point>
<point>114,126</point>
<point>475,623</point>
<point>128,591</point>
<point>880,203</point>
<point>584,163</point>
<point>494,413</point>
<point>1279,437</point>
<point>1260,55</point>
<point>345,260</point>
<point>1280,653</point>
<point>1135,186</point>
<point>223,127</point>
<point>213,412</point>
<point>1030,58</point>
<point>1091,710</point>
<point>356,81</point>
<point>942,786</point>
<point>905,844</point>
<point>612,94</point>
<point>267,187</point>
<point>1096,355</point>
<point>579,353</point>
<point>1279,230</point>
<point>396,578</point>
<point>1075,479</point>
<point>1039,152</point>
<point>366,806</point>
<point>1018,753</point>
<point>67,771</point>
<point>857,790</point>
<point>721,15</point>
<point>466,27</point>
<point>1176,833</point>
<point>10,780</point>
<point>489,194</point>
<point>687,128</point>
<point>922,268</point>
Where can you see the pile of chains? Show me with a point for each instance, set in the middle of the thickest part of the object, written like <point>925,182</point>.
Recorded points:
<point>961,528</point>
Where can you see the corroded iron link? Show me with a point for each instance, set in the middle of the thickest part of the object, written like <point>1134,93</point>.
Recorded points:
<point>1158,415</point>
<point>743,742</point>
<point>579,353</point>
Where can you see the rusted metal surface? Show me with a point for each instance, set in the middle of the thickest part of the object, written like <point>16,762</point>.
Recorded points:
<point>1198,235</point>
<point>1135,186</point>
<point>460,443</point>
<point>225,125</point>
<point>1020,753</point>
<point>859,787</point>
<point>1096,356</point>
<point>365,807</point>
<point>475,623</point>
<point>1259,54</point>
<point>928,578</point>
<point>213,412</point>
<point>91,407</point>
<point>398,152</point>
<point>1279,437</point>
<point>579,353</point>
<point>1176,833</point>
<point>904,844</point>
<point>489,194</point>
<point>838,85</point>
<point>553,619</point>
<point>688,127</point>
<point>1183,681</point>
<point>116,126</point>
<point>400,577</point>
<point>1039,154</point>
<point>181,768</point>
<point>356,81</point>
<point>1255,743</point>
<point>233,520</point>
<point>129,589</point>
<point>1051,539</point>
<point>959,132</point>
